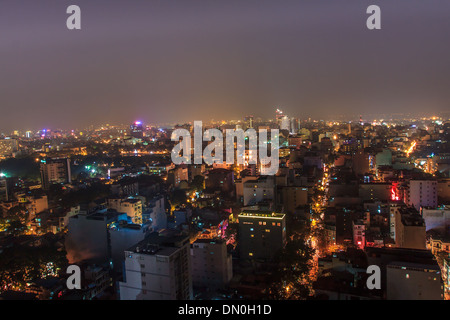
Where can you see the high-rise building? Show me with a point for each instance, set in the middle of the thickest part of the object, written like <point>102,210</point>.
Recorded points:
<point>278,116</point>
<point>88,236</point>
<point>123,235</point>
<point>407,227</point>
<point>295,125</point>
<point>260,190</point>
<point>137,129</point>
<point>285,123</point>
<point>211,263</point>
<point>293,197</point>
<point>158,268</point>
<point>55,171</point>
<point>261,234</point>
<point>421,193</point>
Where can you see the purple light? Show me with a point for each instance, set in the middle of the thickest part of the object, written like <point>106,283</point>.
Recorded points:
<point>138,123</point>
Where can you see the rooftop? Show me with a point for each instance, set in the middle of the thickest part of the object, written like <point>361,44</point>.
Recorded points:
<point>261,214</point>
<point>160,243</point>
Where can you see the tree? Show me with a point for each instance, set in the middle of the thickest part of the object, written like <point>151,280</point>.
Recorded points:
<point>290,279</point>
<point>19,213</point>
<point>16,227</point>
<point>178,197</point>
<point>198,183</point>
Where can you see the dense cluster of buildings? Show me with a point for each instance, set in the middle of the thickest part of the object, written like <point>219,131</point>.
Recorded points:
<point>110,200</point>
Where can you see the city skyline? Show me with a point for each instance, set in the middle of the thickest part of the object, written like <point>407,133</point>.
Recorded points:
<point>397,118</point>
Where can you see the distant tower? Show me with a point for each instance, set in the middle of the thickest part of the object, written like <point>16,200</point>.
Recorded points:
<point>285,123</point>
<point>137,129</point>
<point>278,116</point>
<point>295,125</point>
<point>360,120</point>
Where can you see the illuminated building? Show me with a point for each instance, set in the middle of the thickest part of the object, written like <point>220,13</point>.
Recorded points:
<point>131,206</point>
<point>158,268</point>
<point>178,174</point>
<point>295,126</point>
<point>155,212</point>
<point>261,234</point>
<point>137,130</point>
<point>359,234</point>
<point>8,147</point>
<point>278,116</point>
<point>34,204</point>
<point>160,169</point>
<point>55,171</point>
<point>295,141</point>
<point>395,192</point>
<point>285,123</point>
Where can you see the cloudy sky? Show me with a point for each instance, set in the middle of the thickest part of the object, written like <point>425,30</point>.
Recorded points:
<point>183,60</point>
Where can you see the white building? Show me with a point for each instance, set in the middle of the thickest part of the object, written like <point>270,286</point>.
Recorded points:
<point>156,213</point>
<point>285,123</point>
<point>421,193</point>
<point>260,190</point>
<point>131,206</point>
<point>158,268</point>
<point>211,263</point>
<point>123,235</point>
<point>436,218</point>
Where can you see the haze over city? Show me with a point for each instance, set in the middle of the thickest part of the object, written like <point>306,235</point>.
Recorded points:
<point>178,61</point>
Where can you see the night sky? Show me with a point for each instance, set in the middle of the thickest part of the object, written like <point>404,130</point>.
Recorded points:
<point>173,61</point>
